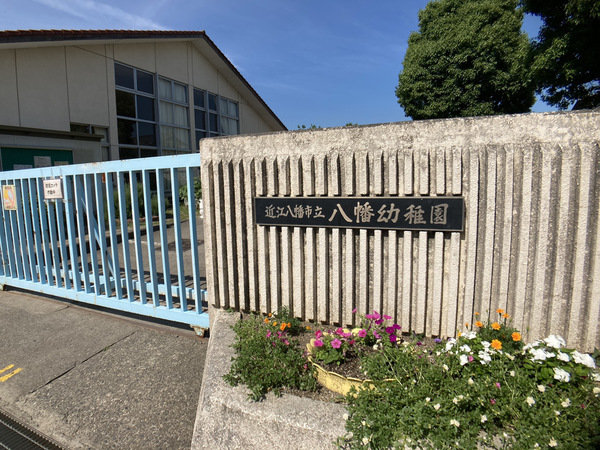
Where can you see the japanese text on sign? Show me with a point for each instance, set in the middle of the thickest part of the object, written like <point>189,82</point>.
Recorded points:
<point>402,213</point>
<point>53,189</point>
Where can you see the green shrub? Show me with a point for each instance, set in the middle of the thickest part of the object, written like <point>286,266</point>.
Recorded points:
<point>267,358</point>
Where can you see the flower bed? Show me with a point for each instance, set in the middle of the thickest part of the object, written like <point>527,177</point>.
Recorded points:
<point>483,388</point>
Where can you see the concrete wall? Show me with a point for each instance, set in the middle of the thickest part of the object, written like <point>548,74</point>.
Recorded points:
<point>530,244</point>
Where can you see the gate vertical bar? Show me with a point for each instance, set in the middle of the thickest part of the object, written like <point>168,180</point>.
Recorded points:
<point>71,230</point>
<point>79,197</point>
<point>164,242</point>
<point>150,237</point>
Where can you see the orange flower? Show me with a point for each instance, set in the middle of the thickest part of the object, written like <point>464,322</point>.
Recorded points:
<point>497,344</point>
<point>266,320</point>
<point>270,314</point>
<point>459,334</point>
<point>308,328</point>
<point>467,325</point>
<point>476,314</point>
<point>282,327</point>
<point>496,326</point>
<point>500,311</point>
<point>506,316</point>
<point>274,324</point>
<point>478,324</point>
<point>516,336</point>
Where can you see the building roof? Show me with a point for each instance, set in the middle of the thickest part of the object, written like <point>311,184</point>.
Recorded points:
<point>20,38</point>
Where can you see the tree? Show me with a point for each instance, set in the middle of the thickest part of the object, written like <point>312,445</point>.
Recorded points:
<point>468,59</point>
<point>565,56</point>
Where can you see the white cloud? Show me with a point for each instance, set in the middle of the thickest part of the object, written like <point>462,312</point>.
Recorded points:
<point>102,13</point>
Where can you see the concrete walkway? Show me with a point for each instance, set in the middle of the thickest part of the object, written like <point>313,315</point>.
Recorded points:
<point>95,379</point>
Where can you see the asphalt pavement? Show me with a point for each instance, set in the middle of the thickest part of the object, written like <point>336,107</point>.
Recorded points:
<point>98,379</point>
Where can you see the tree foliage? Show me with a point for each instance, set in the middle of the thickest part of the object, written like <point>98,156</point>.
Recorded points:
<point>566,53</point>
<point>467,59</point>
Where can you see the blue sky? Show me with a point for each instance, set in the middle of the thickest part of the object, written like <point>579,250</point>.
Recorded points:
<point>314,62</point>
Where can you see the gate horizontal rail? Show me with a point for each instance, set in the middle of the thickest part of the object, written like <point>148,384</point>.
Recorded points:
<point>121,234</point>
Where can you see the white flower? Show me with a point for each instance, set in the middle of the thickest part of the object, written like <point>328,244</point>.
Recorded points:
<point>552,443</point>
<point>471,382</point>
<point>470,335</point>
<point>557,412</point>
<point>375,347</point>
<point>365,440</point>
<point>541,388</point>
<point>455,401</point>
<point>555,341</point>
<point>465,348</point>
<point>596,376</point>
<point>445,367</point>
<point>512,373</point>
<point>483,418</point>
<point>437,406</point>
<point>596,391</point>
<point>536,445</point>
<point>485,344</point>
<point>585,359</point>
<point>427,399</point>
<point>539,354</point>
<point>563,356</point>
<point>345,416</point>
<point>464,359</point>
<point>363,423</point>
<point>561,375</point>
<point>509,356</point>
<point>532,345</point>
<point>455,422</point>
<point>451,343</point>
<point>566,403</point>
<point>484,357</point>
<point>530,401</point>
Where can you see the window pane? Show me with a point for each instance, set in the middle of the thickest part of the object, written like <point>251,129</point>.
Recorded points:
<point>212,102</point>
<point>124,76</point>
<point>233,109</point>
<point>180,116</point>
<point>223,106</point>
<point>167,136</point>
<point>233,126</point>
<point>128,153</point>
<point>145,82</point>
<point>125,104</point>
<point>149,152</point>
<point>200,119</point>
<point>145,108</point>
<point>180,92</point>
<point>213,123</point>
<point>164,88</point>
<point>127,132</point>
<point>166,112</point>
<point>224,126</point>
<point>199,98</point>
<point>182,138</point>
<point>147,133</point>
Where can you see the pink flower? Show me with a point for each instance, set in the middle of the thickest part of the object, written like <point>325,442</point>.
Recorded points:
<point>318,343</point>
<point>362,333</point>
<point>376,334</point>
<point>492,401</point>
<point>336,343</point>
<point>498,385</point>
<point>471,358</point>
<point>354,310</point>
<point>268,334</point>
<point>318,334</point>
<point>393,338</point>
<point>387,317</point>
<point>340,331</point>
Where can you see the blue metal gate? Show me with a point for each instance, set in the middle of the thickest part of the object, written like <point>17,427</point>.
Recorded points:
<point>119,234</point>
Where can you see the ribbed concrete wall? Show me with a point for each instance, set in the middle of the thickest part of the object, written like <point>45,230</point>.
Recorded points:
<point>530,243</point>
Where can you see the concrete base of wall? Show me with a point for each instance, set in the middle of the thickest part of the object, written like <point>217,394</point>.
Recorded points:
<point>227,419</point>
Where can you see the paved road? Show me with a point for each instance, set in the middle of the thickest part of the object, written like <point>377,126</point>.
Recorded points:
<point>95,379</point>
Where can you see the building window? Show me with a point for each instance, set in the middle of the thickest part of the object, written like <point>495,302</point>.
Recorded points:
<point>214,115</point>
<point>153,114</point>
<point>136,112</point>
<point>174,117</point>
<point>92,129</point>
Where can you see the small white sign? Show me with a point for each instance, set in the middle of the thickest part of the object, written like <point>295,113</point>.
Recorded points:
<point>42,161</point>
<point>53,189</point>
